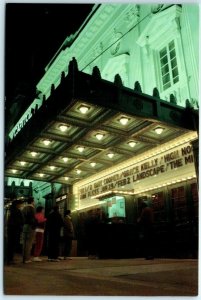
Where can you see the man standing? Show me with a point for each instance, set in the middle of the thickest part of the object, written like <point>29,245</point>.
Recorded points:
<point>146,221</point>
<point>68,234</point>
<point>14,228</point>
<point>54,224</point>
<point>29,227</point>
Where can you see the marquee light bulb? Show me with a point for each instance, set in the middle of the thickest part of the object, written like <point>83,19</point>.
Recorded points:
<point>123,120</point>
<point>63,128</point>
<point>46,142</point>
<point>110,155</point>
<point>99,136</point>
<point>132,144</point>
<point>33,153</point>
<point>80,148</point>
<point>158,130</point>
<point>83,109</point>
<point>65,159</point>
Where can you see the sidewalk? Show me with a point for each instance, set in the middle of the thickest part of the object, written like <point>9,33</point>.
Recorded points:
<point>105,277</point>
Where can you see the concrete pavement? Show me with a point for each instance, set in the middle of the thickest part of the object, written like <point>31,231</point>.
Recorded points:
<point>103,277</point>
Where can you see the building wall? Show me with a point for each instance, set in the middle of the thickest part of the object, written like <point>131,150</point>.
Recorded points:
<point>127,39</point>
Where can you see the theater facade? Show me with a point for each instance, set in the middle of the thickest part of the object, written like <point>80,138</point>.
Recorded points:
<point>116,123</point>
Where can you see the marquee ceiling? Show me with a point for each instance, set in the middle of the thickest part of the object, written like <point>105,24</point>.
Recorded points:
<point>68,149</point>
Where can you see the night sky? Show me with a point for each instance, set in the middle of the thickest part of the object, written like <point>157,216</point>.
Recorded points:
<point>34,33</point>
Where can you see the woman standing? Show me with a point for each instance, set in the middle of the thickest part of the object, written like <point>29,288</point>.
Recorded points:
<point>40,228</point>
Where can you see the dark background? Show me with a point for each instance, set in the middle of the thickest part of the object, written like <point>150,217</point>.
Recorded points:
<point>33,34</point>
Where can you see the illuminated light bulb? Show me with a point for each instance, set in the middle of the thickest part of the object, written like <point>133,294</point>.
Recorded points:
<point>65,159</point>
<point>14,171</point>
<point>46,142</point>
<point>66,178</point>
<point>123,120</point>
<point>83,109</point>
<point>34,154</point>
<point>158,130</point>
<point>41,174</point>
<point>132,144</point>
<point>22,163</point>
<point>52,167</point>
<point>78,171</point>
<point>110,155</point>
<point>63,128</point>
<point>93,164</point>
<point>81,149</point>
<point>99,136</point>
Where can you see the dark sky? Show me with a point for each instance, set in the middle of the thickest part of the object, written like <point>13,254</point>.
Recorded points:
<point>34,32</point>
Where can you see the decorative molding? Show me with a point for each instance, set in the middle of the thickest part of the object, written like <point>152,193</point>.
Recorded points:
<point>161,27</point>
<point>132,16</point>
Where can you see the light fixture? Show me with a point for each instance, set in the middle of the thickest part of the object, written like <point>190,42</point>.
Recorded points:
<point>99,136</point>
<point>63,128</point>
<point>41,174</point>
<point>123,120</point>
<point>65,159</point>
<point>66,178</point>
<point>93,164</point>
<point>80,148</point>
<point>22,163</point>
<point>52,167</point>
<point>83,109</point>
<point>110,155</point>
<point>78,171</point>
<point>132,144</point>
<point>158,130</point>
<point>46,142</point>
<point>14,171</point>
<point>33,153</point>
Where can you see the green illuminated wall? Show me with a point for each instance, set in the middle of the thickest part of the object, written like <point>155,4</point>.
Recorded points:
<point>127,38</point>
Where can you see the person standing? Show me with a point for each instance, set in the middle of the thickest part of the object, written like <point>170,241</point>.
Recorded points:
<point>14,228</point>
<point>28,229</point>
<point>146,221</point>
<point>68,234</point>
<point>39,237</point>
<point>54,225</point>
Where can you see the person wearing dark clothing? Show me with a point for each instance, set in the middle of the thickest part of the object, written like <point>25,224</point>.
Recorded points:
<point>54,225</point>
<point>68,234</point>
<point>29,227</point>
<point>14,228</point>
<point>92,229</point>
<point>146,222</point>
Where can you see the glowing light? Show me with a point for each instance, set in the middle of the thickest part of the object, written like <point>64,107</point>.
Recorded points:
<point>84,109</point>
<point>132,144</point>
<point>158,130</point>
<point>23,163</point>
<point>99,136</point>
<point>34,154</point>
<point>46,142</point>
<point>123,120</point>
<point>93,164</point>
<point>78,171</point>
<point>52,167</point>
<point>65,159</point>
<point>63,128</point>
<point>41,174</point>
<point>14,171</point>
<point>80,149</point>
<point>66,178</point>
<point>110,155</point>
